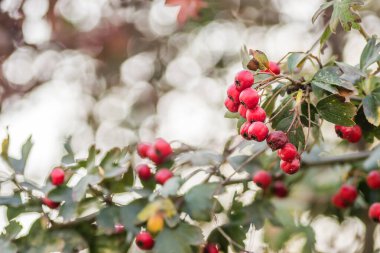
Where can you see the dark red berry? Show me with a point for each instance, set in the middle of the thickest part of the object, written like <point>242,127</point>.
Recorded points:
<point>144,172</point>
<point>244,130</point>
<point>142,149</point>
<point>277,140</point>
<point>144,241</point>
<point>242,111</point>
<point>249,98</point>
<point>290,167</point>
<point>163,175</point>
<point>338,201</point>
<point>274,68</point>
<point>244,79</point>
<point>57,176</point>
<point>163,148</point>
<point>210,248</point>
<point>256,114</point>
<point>230,105</point>
<point>288,152</point>
<point>279,189</point>
<point>233,93</point>
<point>258,131</point>
<point>374,212</point>
<point>373,179</point>
<point>355,134</point>
<point>119,228</point>
<point>154,157</point>
<point>262,178</point>
<point>50,203</point>
<point>348,193</point>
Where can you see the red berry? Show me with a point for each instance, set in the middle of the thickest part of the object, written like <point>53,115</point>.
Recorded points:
<point>142,149</point>
<point>341,131</point>
<point>163,148</point>
<point>163,175</point>
<point>288,152</point>
<point>154,157</point>
<point>262,178</point>
<point>244,130</point>
<point>249,98</point>
<point>57,176</point>
<point>210,248</point>
<point>233,93</point>
<point>119,228</point>
<point>256,114</point>
<point>258,131</point>
<point>374,212</point>
<point>242,111</point>
<point>348,193</point>
<point>355,134</point>
<point>373,179</point>
<point>230,105</point>
<point>274,68</point>
<point>277,140</point>
<point>338,201</point>
<point>243,80</point>
<point>290,167</point>
<point>50,203</point>
<point>279,189</point>
<point>144,241</point>
<point>144,172</point>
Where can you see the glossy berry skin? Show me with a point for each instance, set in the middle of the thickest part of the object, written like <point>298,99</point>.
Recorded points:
<point>163,148</point>
<point>233,93</point>
<point>342,131</point>
<point>288,152</point>
<point>155,224</point>
<point>243,80</point>
<point>230,105</point>
<point>144,172</point>
<point>163,175</point>
<point>277,140</point>
<point>338,201</point>
<point>57,176</point>
<point>242,110</point>
<point>279,189</point>
<point>352,134</point>
<point>210,248</point>
<point>274,68</point>
<point>258,131</point>
<point>374,212</point>
<point>262,178</point>
<point>249,98</point>
<point>256,114</point>
<point>50,203</point>
<point>119,228</point>
<point>144,241</point>
<point>290,167</point>
<point>142,149</point>
<point>244,130</point>
<point>348,193</point>
<point>373,179</point>
<point>154,157</point>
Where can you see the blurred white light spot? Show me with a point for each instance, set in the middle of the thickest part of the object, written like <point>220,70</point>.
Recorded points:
<point>138,68</point>
<point>17,68</point>
<point>44,64</point>
<point>35,8</point>
<point>162,19</point>
<point>181,71</point>
<point>36,31</point>
<point>110,135</point>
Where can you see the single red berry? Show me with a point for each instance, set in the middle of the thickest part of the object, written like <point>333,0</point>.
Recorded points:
<point>163,175</point>
<point>355,134</point>
<point>211,248</point>
<point>119,228</point>
<point>57,176</point>
<point>373,179</point>
<point>230,105</point>
<point>142,149</point>
<point>154,157</point>
<point>163,148</point>
<point>290,167</point>
<point>256,114</point>
<point>348,193</point>
<point>279,189</point>
<point>233,93</point>
<point>338,201</point>
<point>342,131</point>
<point>262,178</point>
<point>144,172</point>
<point>374,212</point>
<point>288,152</point>
<point>50,203</point>
<point>244,130</point>
<point>244,79</point>
<point>258,131</point>
<point>144,241</point>
<point>274,68</point>
<point>242,111</point>
<point>249,98</point>
<point>277,140</point>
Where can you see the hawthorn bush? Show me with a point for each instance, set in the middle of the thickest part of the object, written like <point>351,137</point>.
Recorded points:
<point>109,202</point>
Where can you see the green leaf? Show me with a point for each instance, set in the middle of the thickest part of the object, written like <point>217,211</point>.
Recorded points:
<point>7,246</point>
<point>61,193</point>
<point>108,217</point>
<point>329,77</point>
<point>80,189</point>
<point>128,214</point>
<point>295,61</point>
<point>12,229</point>
<point>321,9</point>
<point>237,161</point>
<point>244,56</point>
<point>14,200</point>
<point>90,163</point>
<point>231,115</point>
<point>370,54</point>
<point>344,13</point>
<point>373,161</point>
<point>325,35</point>
<point>69,158</point>
<point>257,213</point>
<point>19,164</point>
<point>296,135</point>
<point>371,106</point>
<point>282,111</point>
<point>199,201</point>
<point>199,158</point>
<point>235,232</point>
<point>261,59</point>
<point>171,187</point>
<point>335,110</point>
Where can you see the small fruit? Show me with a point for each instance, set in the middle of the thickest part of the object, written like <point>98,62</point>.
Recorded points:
<point>249,98</point>
<point>373,179</point>
<point>277,140</point>
<point>355,134</point>
<point>288,152</point>
<point>155,224</point>
<point>154,157</point>
<point>258,131</point>
<point>50,203</point>
<point>233,93</point>
<point>144,241</point>
<point>338,201</point>
<point>348,193</point>
<point>163,175</point>
<point>290,167</point>
<point>144,172</point>
<point>243,80</point>
<point>57,176</point>
<point>244,130</point>
<point>242,110</point>
<point>211,248</point>
<point>142,149</point>
<point>279,189</point>
<point>262,178</point>
<point>274,68</point>
<point>256,114</point>
<point>119,228</point>
<point>230,105</point>
<point>163,148</point>
<point>374,212</point>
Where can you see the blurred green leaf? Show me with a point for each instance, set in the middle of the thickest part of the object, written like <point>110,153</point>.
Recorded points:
<point>335,110</point>
<point>128,214</point>
<point>235,232</point>
<point>108,217</point>
<point>344,13</point>
<point>295,61</point>
<point>370,54</point>
<point>7,246</point>
<point>329,77</point>
<point>171,187</point>
<point>17,164</point>
<point>13,200</point>
<point>371,106</point>
<point>69,157</point>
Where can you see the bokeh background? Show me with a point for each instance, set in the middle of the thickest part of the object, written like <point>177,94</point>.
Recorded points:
<point>114,72</point>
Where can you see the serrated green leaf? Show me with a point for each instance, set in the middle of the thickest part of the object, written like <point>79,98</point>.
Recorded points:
<point>343,12</point>
<point>108,217</point>
<point>371,106</point>
<point>321,9</point>
<point>335,110</point>
<point>370,54</point>
<point>128,214</point>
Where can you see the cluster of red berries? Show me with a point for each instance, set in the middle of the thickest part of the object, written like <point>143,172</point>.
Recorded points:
<point>263,179</point>
<point>352,134</point>
<point>345,197</point>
